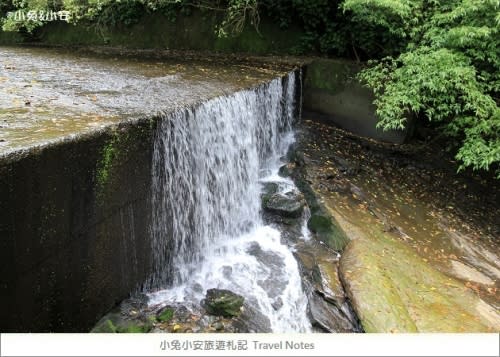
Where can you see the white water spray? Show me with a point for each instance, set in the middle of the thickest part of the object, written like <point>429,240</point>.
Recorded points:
<point>207,230</point>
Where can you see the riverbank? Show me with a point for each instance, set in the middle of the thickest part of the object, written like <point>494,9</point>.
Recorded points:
<point>423,254</point>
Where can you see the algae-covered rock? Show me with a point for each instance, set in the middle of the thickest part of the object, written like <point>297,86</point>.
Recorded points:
<point>165,315</point>
<point>106,326</point>
<point>327,231</point>
<point>114,323</point>
<point>222,302</point>
<point>393,290</point>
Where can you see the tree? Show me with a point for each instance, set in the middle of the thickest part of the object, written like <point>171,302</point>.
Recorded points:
<point>448,71</point>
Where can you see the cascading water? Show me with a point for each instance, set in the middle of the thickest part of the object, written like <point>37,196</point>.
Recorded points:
<point>207,230</point>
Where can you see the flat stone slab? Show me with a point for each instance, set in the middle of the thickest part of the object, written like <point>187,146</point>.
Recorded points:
<point>393,290</point>
<point>50,94</point>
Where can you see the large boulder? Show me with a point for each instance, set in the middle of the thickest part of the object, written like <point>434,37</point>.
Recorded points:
<point>222,302</point>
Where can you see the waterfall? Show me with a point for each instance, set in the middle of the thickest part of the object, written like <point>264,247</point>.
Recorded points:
<point>207,227</point>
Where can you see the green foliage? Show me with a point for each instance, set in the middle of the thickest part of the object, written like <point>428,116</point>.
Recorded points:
<point>238,13</point>
<point>23,6</point>
<point>448,71</point>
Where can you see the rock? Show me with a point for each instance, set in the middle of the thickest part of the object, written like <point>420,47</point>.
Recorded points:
<point>393,290</point>
<point>289,205</point>
<point>346,166</point>
<point>329,310</point>
<point>327,281</point>
<point>468,273</point>
<point>197,287</point>
<point>327,316</point>
<point>327,231</point>
<point>165,315</point>
<point>227,271</point>
<point>339,185</point>
<point>218,326</point>
<point>220,302</point>
<point>116,323</point>
<point>275,283</point>
<point>251,320</point>
<point>357,193</point>
<point>286,170</point>
<point>277,304</point>
<point>269,188</point>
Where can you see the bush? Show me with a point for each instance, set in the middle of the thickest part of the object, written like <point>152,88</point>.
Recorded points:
<point>448,71</point>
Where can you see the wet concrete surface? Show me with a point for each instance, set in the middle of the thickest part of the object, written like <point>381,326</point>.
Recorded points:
<point>50,94</point>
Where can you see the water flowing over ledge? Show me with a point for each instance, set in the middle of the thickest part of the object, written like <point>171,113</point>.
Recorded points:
<point>77,207</point>
<point>207,231</point>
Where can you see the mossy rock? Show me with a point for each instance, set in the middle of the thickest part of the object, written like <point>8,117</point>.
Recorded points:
<point>165,315</point>
<point>220,302</point>
<point>135,328</point>
<point>107,326</point>
<point>268,189</point>
<point>327,231</point>
<point>114,323</point>
<point>393,290</point>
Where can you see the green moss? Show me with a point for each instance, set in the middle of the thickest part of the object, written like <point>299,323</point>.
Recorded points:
<point>327,231</point>
<point>321,223</point>
<point>109,154</point>
<point>135,328</point>
<point>265,199</point>
<point>105,327</point>
<point>223,303</point>
<point>166,315</point>
<point>114,323</point>
<point>309,194</point>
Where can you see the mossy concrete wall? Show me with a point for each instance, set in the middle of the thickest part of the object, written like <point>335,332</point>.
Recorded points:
<point>10,38</point>
<point>74,225</point>
<point>188,32</point>
<point>332,90</point>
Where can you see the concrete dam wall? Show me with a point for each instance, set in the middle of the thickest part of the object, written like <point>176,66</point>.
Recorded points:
<point>75,220</point>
